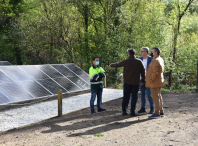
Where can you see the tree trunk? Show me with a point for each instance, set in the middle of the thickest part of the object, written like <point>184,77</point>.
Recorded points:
<point>18,56</point>
<point>177,27</point>
<point>86,36</point>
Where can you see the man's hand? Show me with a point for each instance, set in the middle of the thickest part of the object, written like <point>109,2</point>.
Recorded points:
<point>141,84</point>
<point>110,66</point>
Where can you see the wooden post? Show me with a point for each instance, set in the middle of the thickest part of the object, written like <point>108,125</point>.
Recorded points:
<point>59,102</point>
<point>169,81</point>
<point>105,85</point>
<point>105,82</point>
<point>197,76</point>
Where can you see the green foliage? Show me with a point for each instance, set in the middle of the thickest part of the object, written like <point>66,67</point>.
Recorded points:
<point>59,31</point>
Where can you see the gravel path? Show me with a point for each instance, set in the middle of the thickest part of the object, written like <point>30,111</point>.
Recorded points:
<point>17,117</point>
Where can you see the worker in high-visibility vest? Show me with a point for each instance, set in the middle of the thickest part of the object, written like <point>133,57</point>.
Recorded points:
<point>96,80</point>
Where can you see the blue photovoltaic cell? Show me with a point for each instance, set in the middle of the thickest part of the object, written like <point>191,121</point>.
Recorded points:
<point>14,92</point>
<point>4,78</point>
<point>51,85</point>
<point>15,73</point>
<point>50,71</point>
<point>3,99</point>
<point>34,72</point>
<point>64,70</point>
<point>34,88</point>
<point>4,63</point>
<point>76,69</point>
<point>67,84</point>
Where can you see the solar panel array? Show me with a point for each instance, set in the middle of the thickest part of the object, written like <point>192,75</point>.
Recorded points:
<point>4,63</point>
<point>28,82</point>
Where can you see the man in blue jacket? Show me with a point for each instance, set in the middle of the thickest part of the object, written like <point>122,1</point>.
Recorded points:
<point>146,59</point>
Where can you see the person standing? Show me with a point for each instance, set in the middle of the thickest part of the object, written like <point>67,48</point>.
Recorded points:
<point>96,80</point>
<point>133,67</point>
<point>155,80</point>
<point>145,90</point>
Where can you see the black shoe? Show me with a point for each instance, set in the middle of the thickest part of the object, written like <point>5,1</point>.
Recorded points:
<point>101,109</point>
<point>125,114</point>
<point>93,111</point>
<point>151,110</point>
<point>142,110</point>
<point>162,114</point>
<point>133,114</point>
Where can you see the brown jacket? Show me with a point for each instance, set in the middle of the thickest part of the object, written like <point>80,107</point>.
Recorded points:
<point>133,67</point>
<point>154,74</point>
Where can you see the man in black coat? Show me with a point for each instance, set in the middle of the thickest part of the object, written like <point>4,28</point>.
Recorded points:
<point>133,67</point>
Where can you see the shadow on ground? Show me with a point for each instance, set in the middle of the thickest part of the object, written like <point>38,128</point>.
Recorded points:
<point>110,119</point>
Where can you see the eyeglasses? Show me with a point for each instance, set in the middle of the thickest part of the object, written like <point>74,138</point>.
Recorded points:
<point>143,51</point>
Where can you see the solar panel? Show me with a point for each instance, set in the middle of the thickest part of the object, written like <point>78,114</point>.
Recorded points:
<point>82,75</point>
<point>15,92</point>
<point>28,82</point>
<point>76,69</point>
<point>64,70</point>
<point>67,84</point>
<point>34,72</point>
<point>4,63</point>
<point>34,88</point>
<point>4,78</point>
<point>86,78</point>
<point>81,83</point>
<point>74,78</point>
<point>51,72</point>
<point>51,85</point>
<point>4,99</point>
<point>15,73</point>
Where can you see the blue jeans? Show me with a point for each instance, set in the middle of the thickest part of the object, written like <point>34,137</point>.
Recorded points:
<point>144,90</point>
<point>128,90</point>
<point>95,92</point>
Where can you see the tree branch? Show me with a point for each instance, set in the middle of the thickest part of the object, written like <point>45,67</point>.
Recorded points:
<point>181,15</point>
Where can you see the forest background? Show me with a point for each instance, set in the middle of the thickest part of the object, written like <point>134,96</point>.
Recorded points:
<point>74,31</point>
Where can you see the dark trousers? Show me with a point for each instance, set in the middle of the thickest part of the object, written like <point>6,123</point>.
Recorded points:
<point>128,90</point>
<point>94,93</point>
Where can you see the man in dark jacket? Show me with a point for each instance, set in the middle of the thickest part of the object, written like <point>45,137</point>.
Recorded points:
<point>133,67</point>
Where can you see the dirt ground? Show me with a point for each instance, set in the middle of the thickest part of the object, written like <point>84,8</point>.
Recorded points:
<point>179,127</point>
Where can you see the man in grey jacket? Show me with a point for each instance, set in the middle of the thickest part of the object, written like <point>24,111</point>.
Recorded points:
<point>133,67</point>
